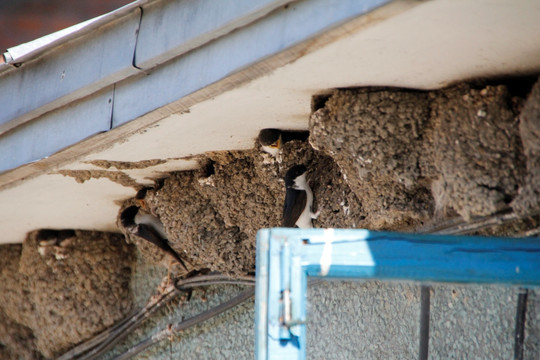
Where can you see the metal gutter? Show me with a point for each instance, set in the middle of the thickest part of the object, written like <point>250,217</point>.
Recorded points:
<point>60,64</point>
<point>181,27</point>
<point>68,69</point>
<point>22,53</point>
<point>56,130</point>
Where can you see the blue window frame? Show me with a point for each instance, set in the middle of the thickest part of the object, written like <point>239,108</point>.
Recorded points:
<point>287,257</point>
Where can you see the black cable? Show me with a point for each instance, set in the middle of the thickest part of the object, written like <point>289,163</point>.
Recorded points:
<point>425,293</point>
<point>183,325</point>
<point>519,334</point>
<point>95,347</point>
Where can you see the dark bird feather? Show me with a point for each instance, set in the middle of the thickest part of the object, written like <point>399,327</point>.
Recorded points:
<point>295,199</point>
<point>148,232</point>
<point>295,202</point>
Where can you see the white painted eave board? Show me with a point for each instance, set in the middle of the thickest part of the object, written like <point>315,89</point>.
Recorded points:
<point>407,43</point>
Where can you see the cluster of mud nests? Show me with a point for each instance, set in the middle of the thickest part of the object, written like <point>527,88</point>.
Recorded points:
<point>212,215</point>
<point>377,159</point>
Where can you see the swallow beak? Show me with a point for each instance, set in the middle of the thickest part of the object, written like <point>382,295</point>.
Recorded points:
<point>142,204</point>
<point>277,144</point>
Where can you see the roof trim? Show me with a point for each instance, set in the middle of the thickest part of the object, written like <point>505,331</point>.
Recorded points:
<point>72,81</point>
<point>57,59</point>
<point>22,53</point>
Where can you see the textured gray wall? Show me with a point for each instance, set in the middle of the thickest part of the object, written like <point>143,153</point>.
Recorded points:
<point>352,320</point>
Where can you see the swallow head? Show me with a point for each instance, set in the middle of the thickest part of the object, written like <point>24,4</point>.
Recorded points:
<point>270,140</point>
<point>296,177</point>
<point>127,217</point>
<point>139,199</point>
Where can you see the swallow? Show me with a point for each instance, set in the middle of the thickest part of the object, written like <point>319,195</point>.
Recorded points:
<point>297,210</point>
<point>146,226</point>
<point>272,140</point>
<point>55,242</point>
<point>56,236</point>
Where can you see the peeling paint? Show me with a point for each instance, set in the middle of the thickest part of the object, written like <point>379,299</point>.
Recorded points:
<point>118,177</point>
<point>126,165</point>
